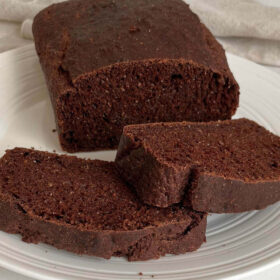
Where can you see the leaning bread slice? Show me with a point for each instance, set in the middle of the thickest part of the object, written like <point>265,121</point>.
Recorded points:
<point>82,206</point>
<point>225,166</point>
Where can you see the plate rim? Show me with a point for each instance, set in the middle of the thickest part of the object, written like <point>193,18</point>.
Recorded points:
<point>246,271</point>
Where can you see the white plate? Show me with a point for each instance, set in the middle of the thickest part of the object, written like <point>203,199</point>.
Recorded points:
<point>237,245</point>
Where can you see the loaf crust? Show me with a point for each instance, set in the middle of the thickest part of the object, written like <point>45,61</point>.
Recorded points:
<point>112,63</point>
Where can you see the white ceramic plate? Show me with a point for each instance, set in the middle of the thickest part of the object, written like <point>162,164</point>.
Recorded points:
<point>237,245</point>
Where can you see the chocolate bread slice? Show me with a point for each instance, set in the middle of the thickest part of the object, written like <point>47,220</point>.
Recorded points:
<point>83,206</point>
<point>225,166</point>
<point>112,63</point>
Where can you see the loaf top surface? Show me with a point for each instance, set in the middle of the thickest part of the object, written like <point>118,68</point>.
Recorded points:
<point>85,35</point>
<point>86,194</point>
<point>239,149</point>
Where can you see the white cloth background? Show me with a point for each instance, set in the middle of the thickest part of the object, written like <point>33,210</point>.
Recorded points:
<point>244,27</point>
<point>16,21</point>
<point>19,10</point>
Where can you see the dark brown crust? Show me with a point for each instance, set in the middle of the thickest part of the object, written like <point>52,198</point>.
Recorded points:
<point>142,244</point>
<point>89,42</point>
<point>234,196</point>
<point>161,183</point>
<point>136,245</point>
<point>80,64</point>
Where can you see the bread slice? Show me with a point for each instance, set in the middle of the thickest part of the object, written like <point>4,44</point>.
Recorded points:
<point>112,63</point>
<point>225,166</point>
<point>83,206</point>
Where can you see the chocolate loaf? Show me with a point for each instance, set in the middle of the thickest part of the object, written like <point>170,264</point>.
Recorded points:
<point>222,167</point>
<point>83,206</point>
<point>112,63</point>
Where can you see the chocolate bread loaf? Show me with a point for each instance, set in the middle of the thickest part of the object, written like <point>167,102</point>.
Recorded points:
<point>83,206</point>
<point>224,166</point>
<point>112,63</point>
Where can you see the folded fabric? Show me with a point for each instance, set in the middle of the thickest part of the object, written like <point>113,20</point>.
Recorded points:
<point>244,27</point>
<point>258,50</point>
<point>23,11</point>
<point>26,29</point>
<point>19,10</point>
<point>239,18</point>
<point>9,37</point>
